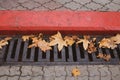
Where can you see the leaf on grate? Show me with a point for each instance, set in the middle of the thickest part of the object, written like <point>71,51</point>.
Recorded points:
<point>85,41</point>
<point>91,47</point>
<point>116,39</point>
<point>4,42</point>
<point>75,72</point>
<point>106,57</point>
<point>107,43</point>
<point>69,40</point>
<point>42,44</point>
<point>57,40</point>
<point>27,37</point>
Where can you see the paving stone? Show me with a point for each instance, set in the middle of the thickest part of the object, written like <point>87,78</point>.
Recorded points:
<point>2,8</point>
<point>102,1</point>
<point>36,78</point>
<point>22,1</point>
<point>106,78</point>
<point>116,77</point>
<point>52,5</point>
<point>82,1</point>
<point>113,7</point>
<point>83,70</point>
<point>14,70</point>
<point>9,4</point>
<point>60,71</point>
<point>4,70</point>
<point>25,78</point>
<point>40,8</point>
<point>13,78</point>
<point>83,8</point>
<point>94,78</point>
<point>93,6</point>
<point>48,78</point>
<point>36,70</point>
<point>3,78</point>
<point>60,78</point>
<point>83,78</point>
<point>104,71</point>
<point>69,69</point>
<point>114,70</point>
<point>42,1</point>
<point>63,1</point>
<point>93,70</point>
<point>116,1</point>
<point>70,78</point>
<point>31,4</point>
<point>73,5</point>
<point>19,8</point>
<point>26,70</point>
<point>103,9</point>
<point>49,71</point>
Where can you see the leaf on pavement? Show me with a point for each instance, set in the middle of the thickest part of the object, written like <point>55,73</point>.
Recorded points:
<point>75,72</point>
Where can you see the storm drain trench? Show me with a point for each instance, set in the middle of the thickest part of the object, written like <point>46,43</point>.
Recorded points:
<point>17,52</point>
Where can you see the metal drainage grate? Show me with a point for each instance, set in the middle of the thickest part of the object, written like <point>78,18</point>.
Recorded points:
<point>18,53</point>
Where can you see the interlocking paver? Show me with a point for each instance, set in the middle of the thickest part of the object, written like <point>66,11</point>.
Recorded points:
<point>14,70</point>
<point>37,70</point>
<point>113,7</point>
<point>116,1</point>
<point>13,78</point>
<point>52,5</point>
<point>26,70</point>
<point>69,69</point>
<point>63,1</point>
<point>31,4</point>
<point>114,70</point>
<point>94,78</point>
<point>73,5</point>
<point>8,4</point>
<point>82,1</point>
<point>102,1</point>
<point>4,78</point>
<point>83,78</point>
<point>40,8</point>
<point>49,71</point>
<point>83,70</point>
<point>42,1</point>
<point>19,8</point>
<point>93,70</point>
<point>60,78</point>
<point>25,78</point>
<point>93,6</point>
<point>60,71</point>
<point>48,78</point>
<point>70,78</point>
<point>36,78</point>
<point>4,70</point>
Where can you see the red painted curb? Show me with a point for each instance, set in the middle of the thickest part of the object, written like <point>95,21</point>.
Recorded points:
<point>65,21</point>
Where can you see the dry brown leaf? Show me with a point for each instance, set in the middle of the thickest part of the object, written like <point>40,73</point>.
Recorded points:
<point>85,42</point>
<point>69,40</point>
<point>57,39</point>
<point>116,39</point>
<point>4,42</point>
<point>75,72</point>
<point>27,37</point>
<point>43,45</point>
<point>75,37</point>
<point>107,43</point>
<point>106,57</point>
<point>91,47</point>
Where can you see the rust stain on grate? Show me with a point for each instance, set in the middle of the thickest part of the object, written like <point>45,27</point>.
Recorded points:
<point>17,52</point>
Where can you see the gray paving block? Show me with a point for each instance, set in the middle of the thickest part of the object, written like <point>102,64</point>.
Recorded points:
<point>4,70</point>
<point>36,70</point>
<point>49,71</point>
<point>82,1</point>
<point>93,70</point>
<point>4,78</point>
<point>13,78</point>
<point>15,70</point>
<point>60,71</point>
<point>26,70</point>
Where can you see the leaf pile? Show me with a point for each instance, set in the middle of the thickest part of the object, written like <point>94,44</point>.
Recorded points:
<point>4,42</point>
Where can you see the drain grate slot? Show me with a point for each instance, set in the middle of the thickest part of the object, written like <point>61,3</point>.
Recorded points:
<point>17,51</point>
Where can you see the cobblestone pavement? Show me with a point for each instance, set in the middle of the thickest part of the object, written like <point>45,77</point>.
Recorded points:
<point>88,72</point>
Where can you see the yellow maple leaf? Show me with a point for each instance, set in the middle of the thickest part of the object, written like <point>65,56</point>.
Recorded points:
<point>75,72</point>
<point>69,40</point>
<point>57,40</point>
<point>85,42</point>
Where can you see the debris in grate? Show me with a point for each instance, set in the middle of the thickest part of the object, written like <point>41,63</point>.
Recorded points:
<point>17,52</point>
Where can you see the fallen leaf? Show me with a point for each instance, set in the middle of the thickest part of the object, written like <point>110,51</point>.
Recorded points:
<point>106,57</point>
<point>91,47</point>
<point>116,39</point>
<point>107,43</point>
<point>69,40</point>
<point>75,72</point>
<point>85,42</point>
<point>27,37</point>
<point>58,40</point>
